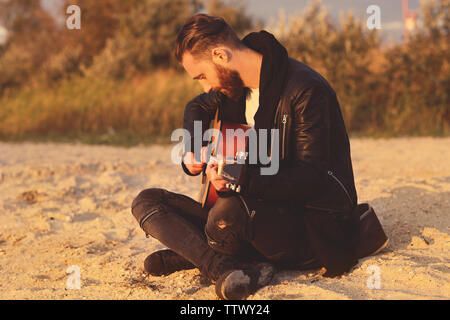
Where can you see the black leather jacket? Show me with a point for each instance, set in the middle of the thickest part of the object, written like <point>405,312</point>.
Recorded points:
<point>315,163</point>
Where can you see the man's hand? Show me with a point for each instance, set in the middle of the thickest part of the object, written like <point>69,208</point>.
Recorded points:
<point>217,181</point>
<point>192,164</point>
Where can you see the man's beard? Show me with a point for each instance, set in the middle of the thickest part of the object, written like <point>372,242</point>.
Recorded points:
<point>231,83</point>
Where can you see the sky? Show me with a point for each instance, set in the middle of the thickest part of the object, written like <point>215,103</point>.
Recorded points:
<point>391,11</point>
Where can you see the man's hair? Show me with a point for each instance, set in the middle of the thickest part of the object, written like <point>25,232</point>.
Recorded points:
<point>201,33</point>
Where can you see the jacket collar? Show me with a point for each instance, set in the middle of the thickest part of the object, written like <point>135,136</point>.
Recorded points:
<point>273,75</point>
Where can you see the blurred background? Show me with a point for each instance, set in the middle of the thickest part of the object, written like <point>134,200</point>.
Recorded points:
<point>116,81</point>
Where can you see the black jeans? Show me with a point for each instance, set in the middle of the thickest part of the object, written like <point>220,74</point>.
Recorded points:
<point>234,226</point>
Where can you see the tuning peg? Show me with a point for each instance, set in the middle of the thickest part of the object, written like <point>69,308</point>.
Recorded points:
<point>238,189</point>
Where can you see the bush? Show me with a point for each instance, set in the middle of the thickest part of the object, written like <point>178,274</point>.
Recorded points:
<point>16,66</point>
<point>420,69</point>
<point>64,65</point>
<point>122,81</point>
<point>399,90</point>
<point>145,39</point>
<point>142,108</point>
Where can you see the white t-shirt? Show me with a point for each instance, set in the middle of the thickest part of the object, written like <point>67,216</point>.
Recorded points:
<point>252,106</point>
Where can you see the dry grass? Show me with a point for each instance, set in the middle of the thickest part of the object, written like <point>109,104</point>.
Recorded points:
<point>142,109</point>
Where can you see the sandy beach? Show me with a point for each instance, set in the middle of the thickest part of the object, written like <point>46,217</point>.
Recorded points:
<point>64,205</point>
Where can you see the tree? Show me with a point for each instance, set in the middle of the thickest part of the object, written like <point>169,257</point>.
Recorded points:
<point>145,38</point>
<point>342,53</point>
<point>33,37</point>
<point>233,12</point>
<point>99,22</point>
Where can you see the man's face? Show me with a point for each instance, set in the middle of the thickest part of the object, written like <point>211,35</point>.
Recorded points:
<point>213,76</point>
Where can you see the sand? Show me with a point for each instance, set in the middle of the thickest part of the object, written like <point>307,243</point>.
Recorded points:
<point>65,205</point>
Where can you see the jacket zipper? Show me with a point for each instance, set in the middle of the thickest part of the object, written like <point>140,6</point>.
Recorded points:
<point>330,173</point>
<point>246,208</point>
<point>141,224</point>
<point>284,121</point>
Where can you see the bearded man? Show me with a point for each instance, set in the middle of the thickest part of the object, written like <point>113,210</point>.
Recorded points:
<point>304,216</point>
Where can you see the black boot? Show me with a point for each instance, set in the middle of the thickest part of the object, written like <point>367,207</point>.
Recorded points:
<point>239,284</point>
<point>372,238</point>
<point>181,236</point>
<point>165,262</point>
<point>234,279</point>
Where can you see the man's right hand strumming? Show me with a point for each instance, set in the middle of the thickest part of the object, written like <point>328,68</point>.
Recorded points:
<point>192,164</point>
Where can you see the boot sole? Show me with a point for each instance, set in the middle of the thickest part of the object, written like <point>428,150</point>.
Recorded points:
<point>239,284</point>
<point>380,248</point>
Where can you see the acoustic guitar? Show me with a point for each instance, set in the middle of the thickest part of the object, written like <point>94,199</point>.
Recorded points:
<point>230,154</point>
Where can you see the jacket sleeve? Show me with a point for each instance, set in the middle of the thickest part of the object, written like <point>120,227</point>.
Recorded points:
<point>202,108</point>
<point>304,178</point>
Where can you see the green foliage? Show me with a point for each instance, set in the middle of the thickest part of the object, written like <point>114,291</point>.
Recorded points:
<point>144,107</point>
<point>145,39</point>
<point>32,39</point>
<point>398,90</point>
<point>116,79</point>
<point>100,22</point>
<point>343,55</point>
<point>63,65</point>
<point>15,65</point>
<point>419,102</point>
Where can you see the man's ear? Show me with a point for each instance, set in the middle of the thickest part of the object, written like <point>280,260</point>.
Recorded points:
<point>221,55</point>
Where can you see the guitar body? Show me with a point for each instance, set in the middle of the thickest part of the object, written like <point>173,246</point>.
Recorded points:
<point>223,149</point>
